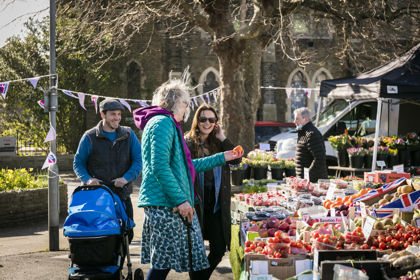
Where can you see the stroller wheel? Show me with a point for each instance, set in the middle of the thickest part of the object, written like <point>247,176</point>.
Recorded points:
<point>138,274</point>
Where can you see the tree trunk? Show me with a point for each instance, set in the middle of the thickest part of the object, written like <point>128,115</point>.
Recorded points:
<point>240,69</point>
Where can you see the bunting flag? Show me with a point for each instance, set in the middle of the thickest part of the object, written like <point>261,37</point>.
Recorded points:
<point>202,99</point>
<point>68,93</point>
<point>81,99</point>
<point>94,99</point>
<point>208,98</point>
<point>51,135</point>
<point>34,81</point>
<point>50,160</point>
<point>41,103</point>
<point>123,102</point>
<point>3,89</point>
<point>213,92</point>
<point>289,92</point>
<point>195,101</point>
<point>192,105</point>
<point>308,92</point>
<point>141,103</point>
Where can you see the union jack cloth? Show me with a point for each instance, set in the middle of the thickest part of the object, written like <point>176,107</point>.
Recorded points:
<point>406,203</point>
<point>382,190</point>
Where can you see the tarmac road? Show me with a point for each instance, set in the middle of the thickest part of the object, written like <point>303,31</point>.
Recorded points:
<point>24,250</point>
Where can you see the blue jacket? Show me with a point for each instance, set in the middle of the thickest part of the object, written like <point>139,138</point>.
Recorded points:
<point>166,176</point>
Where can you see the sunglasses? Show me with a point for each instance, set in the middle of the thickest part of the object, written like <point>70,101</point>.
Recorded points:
<point>203,120</point>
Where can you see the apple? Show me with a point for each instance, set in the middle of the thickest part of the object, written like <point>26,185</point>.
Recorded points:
<point>255,228</point>
<point>271,232</point>
<point>263,232</point>
<point>291,232</point>
<point>284,227</point>
<point>273,222</point>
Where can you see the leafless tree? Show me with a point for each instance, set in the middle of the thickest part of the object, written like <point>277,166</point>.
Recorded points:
<point>240,30</point>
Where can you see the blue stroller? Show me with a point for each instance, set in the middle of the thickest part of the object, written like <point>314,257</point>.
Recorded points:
<point>97,228</point>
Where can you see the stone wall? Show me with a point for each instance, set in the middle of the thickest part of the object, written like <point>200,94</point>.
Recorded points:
<point>65,162</point>
<point>26,206</point>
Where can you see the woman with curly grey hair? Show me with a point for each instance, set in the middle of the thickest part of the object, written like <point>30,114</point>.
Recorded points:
<point>168,183</point>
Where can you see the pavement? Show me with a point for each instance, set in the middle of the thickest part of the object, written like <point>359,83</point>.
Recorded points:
<point>24,250</point>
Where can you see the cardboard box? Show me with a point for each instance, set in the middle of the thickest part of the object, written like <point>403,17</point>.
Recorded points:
<point>384,177</point>
<point>279,268</point>
<point>334,255</point>
<point>372,267</point>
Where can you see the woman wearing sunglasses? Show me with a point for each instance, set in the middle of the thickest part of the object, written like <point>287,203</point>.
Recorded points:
<point>206,138</point>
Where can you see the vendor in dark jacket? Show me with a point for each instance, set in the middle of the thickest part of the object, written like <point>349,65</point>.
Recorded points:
<point>206,138</point>
<point>310,148</point>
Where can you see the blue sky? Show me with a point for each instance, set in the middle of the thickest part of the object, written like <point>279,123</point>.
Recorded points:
<point>14,13</point>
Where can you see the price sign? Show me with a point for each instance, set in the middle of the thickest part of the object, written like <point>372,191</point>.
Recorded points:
<point>331,191</point>
<point>398,168</point>
<point>264,146</point>
<point>306,173</point>
<point>368,227</point>
<point>346,227</point>
<point>363,209</point>
<point>381,164</point>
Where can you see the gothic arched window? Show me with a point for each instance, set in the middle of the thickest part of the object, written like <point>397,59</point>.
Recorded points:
<point>133,80</point>
<point>299,99</point>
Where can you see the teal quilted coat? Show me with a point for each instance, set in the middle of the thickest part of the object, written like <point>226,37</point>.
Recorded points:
<point>166,177</point>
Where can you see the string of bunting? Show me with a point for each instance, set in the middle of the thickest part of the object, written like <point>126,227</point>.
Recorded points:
<point>81,96</point>
<point>4,86</point>
<point>291,90</point>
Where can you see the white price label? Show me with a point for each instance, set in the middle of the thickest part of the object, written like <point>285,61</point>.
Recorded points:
<point>346,227</point>
<point>398,168</point>
<point>381,163</point>
<point>368,227</point>
<point>331,191</point>
<point>306,173</point>
<point>363,211</point>
<point>264,146</point>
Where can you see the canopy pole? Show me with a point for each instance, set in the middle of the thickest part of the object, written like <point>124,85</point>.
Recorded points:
<point>318,110</point>
<point>378,122</point>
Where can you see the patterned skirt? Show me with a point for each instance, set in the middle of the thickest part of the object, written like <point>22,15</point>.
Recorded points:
<point>165,241</point>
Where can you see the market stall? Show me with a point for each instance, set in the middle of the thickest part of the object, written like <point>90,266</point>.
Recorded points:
<point>398,79</point>
<point>285,227</point>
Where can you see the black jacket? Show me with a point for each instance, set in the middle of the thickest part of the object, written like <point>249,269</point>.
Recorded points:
<point>108,160</point>
<point>225,194</point>
<point>310,153</point>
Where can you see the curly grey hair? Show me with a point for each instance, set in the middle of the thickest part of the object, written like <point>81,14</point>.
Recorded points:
<point>170,96</point>
<point>303,112</point>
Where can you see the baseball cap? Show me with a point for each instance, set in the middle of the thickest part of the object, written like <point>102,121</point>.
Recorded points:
<point>110,105</point>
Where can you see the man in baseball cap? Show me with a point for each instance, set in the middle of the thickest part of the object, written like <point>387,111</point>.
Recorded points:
<point>109,154</point>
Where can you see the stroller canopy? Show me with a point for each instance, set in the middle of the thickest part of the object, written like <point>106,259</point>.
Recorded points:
<point>96,211</point>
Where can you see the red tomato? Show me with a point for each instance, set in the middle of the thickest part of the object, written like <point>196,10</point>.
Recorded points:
<point>382,245</point>
<point>373,247</point>
<point>388,239</point>
<point>277,255</point>
<point>247,250</point>
<point>248,243</point>
<point>278,234</point>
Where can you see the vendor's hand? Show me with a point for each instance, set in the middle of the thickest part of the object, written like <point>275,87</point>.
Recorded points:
<point>231,155</point>
<point>186,211</point>
<point>93,181</point>
<point>120,182</point>
<point>219,132</point>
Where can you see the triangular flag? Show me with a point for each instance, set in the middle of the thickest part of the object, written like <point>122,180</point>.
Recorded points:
<point>208,98</point>
<point>123,102</point>
<point>192,105</point>
<point>51,135</point>
<point>141,103</point>
<point>50,160</point>
<point>213,92</point>
<point>68,93</point>
<point>34,81</point>
<point>3,89</point>
<point>81,99</point>
<point>289,92</point>
<point>202,98</point>
<point>195,101</point>
<point>41,103</point>
<point>308,92</point>
<point>94,99</point>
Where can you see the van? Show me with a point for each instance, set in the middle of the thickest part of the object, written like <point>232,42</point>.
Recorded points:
<point>359,118</point>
